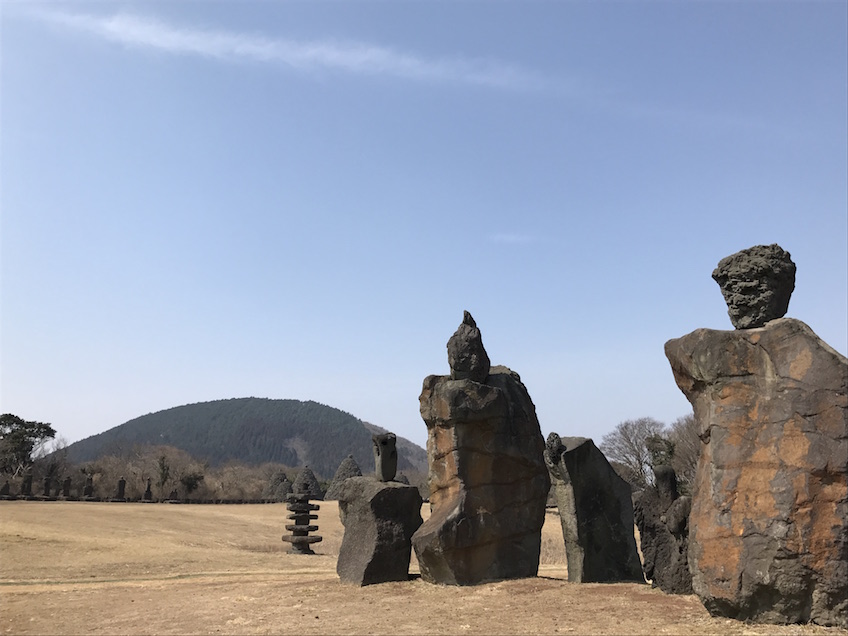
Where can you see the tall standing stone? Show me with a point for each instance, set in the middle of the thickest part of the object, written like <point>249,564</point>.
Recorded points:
<point>487,476</point>
<point>769,523</point>
<point>595,511</point>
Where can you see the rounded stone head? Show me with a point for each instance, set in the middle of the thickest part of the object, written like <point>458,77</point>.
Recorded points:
<point>756,284</point>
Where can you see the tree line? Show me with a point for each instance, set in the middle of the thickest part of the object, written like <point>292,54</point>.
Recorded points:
<point>635,447</point>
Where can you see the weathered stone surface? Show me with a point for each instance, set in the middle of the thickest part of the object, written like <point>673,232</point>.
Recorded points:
<point>467,358</point>
<point>487,478</point>
<point>663,521</point>
<point>385,455</point>
<point>348,468</point>
<point>756,284</point>
<point>379,520</point>
<point>307,483</point>
<point>595,511</point>
<point>769,523</point>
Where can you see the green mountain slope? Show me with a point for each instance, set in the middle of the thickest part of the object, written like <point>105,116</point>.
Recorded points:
<point>252,431</point>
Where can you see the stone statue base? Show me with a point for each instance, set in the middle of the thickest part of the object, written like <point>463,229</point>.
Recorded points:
<point>379,520</point>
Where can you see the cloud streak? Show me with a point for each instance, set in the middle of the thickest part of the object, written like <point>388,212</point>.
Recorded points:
<point>301,56</point>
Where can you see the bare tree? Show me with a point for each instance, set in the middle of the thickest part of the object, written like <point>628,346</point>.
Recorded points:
<point>628,445</point>
<point>687,450</point>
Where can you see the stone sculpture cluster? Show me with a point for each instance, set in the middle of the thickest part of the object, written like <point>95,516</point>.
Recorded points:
<point>595,511</point>
<point>769,523</point>
<point>487,477</point>
<point>662,517</point>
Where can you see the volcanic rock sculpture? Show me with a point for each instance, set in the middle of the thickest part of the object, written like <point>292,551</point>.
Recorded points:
<point>385,456</point>
<point>595,511</point>
<point>88,488</point>
<point>307,483</point>
<point>26,486</point>
<point>769,523</point>
<point>467,358</point>
<point>756,284</point>
<point>301,515</point>
<point>487,477</point>
<point>662,517</point>
<point>348,468</point>
<point>379,519</point>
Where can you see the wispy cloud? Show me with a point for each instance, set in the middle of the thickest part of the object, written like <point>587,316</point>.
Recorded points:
<point>303,56</point>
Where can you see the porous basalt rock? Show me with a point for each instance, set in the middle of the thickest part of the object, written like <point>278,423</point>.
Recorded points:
<point>769,523</point>
<point>379,519</point>
<point>595,511</point>
<point>487,478</point>
<point>756,284</point>
<point>348,468</point>
<point>467,358</point>
<point>662,517</point>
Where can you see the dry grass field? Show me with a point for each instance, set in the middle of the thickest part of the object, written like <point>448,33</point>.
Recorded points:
<point>99,568</point>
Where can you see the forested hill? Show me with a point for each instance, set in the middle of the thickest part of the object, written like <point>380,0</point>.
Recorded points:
<point>252,431</point>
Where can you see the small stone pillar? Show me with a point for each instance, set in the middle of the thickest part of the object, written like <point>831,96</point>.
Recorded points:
<point>5,490</point>
<point>26,486</point>
<point>46,493</point>
<point>385,456</point>
<point>88,489</point>
<point>66,488</point>
<point>120,493</point>
<point>300,508</point>
<point>148,493</point>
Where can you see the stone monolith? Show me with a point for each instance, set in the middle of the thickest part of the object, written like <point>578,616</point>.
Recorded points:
<point>595,511</point>
<point>487,477</point>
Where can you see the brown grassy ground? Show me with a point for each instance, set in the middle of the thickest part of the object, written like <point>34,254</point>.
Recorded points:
<point>98,568</point>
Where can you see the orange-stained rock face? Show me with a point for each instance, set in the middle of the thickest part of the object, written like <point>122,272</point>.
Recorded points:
<point>769,520</point>
<point>488,481</point>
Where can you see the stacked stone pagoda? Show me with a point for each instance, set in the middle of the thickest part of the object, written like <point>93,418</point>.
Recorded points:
<point>301,513</point>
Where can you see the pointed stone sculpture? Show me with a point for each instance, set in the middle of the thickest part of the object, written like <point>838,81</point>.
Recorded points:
<point>768,531</point>
<point>307,483</point>
<point>487,476</point>
<point>347,469</point>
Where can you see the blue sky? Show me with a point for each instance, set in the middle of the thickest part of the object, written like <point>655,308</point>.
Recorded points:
<point>205,200</point>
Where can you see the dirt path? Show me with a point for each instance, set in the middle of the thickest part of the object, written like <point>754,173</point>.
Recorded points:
<point>87,568</point>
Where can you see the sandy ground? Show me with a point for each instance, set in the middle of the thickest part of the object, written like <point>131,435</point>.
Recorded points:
<point>99,568</point>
